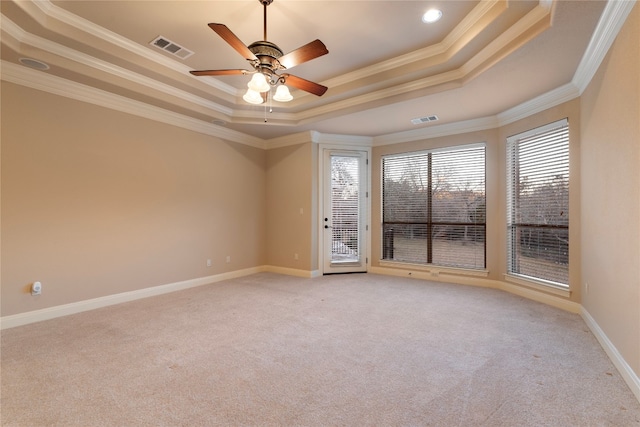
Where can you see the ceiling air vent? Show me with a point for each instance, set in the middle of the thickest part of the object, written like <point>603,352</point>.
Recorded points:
<point>171,47</point>
<point>426,119</point>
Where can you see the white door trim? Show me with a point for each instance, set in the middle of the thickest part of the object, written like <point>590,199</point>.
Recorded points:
<point>320,225</point>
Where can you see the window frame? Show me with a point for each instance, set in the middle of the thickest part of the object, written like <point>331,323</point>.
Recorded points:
<point>561,126</point>
<point>430,223</point>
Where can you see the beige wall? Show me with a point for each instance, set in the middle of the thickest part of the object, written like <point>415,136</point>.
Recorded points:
<point>292,205</point>
<point>611,193</point>
<point>97,202</point>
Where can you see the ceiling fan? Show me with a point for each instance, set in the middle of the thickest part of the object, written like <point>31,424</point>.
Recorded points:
<point>267,59</point>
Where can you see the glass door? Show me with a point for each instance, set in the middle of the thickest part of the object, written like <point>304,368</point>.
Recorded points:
<point>345,211</point>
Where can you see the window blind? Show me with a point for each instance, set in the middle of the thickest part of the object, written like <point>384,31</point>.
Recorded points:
<point>538,203</point>
<point>345,208</point>
<point>434,209</point>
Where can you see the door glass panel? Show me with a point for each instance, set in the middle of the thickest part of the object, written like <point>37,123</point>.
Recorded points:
<point>345,209</point>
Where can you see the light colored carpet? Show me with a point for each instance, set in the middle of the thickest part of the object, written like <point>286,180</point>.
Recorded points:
<point>347,350</point>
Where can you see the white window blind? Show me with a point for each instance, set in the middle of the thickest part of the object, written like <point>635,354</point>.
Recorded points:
<point>538,203</point>
<point>345,208</point>
<point>434,207</point>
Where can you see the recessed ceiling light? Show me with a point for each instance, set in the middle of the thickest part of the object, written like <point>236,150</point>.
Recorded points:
<point>431,16</point>
<point>34,63</point>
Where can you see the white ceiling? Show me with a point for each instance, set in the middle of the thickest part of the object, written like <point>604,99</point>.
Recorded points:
<point>384,66</point>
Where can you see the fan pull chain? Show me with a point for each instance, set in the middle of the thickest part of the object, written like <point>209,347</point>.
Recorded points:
<point>268,101</point>
<point>265,106</point>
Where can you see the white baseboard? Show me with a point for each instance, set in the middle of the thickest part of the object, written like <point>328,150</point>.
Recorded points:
<point>629,376</point>
<point>292,271</point>
<point>552,300</point>
<point>548,299</point>
<point>92,304</point>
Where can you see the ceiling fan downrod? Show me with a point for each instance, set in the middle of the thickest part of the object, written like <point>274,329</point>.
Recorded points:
<point>265,3</point>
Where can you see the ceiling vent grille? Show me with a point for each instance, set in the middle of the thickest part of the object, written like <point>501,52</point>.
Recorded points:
<point>425,119</point>
<point>171,47</point>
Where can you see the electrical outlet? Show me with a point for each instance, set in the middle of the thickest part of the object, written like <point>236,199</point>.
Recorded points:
<point>208,263</point>
<point>295,256</point>
<point>36,288</point>
<point>228,258</point>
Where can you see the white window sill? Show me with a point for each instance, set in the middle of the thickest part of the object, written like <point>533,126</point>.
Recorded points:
<point>435,269</point>
<point>538,284</point>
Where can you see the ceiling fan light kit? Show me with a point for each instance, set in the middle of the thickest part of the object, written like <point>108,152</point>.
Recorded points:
<point>267,59</point>
<point>253,97</point>
<point>258,83</point>
<point>282,94</point>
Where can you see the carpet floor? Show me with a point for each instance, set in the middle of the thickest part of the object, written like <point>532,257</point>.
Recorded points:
<point>343,350</point>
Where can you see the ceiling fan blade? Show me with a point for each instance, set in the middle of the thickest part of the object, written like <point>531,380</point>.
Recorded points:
<point>306,85</point>
<point>303,54</point>
<point>218,72</point>
<point>233,41</point>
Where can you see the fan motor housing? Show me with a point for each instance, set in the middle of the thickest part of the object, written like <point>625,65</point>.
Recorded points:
<point>268,54</point>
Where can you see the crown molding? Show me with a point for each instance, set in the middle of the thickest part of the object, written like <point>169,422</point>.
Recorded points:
<point>611,22</point>
<point>58,86</point>
<point>289,140</point>
<point>536,20</point>
<point>447,129</point>
<point>38,42</point>
<point>613,17</point>
<point>318,138</point>
<point>540,103</point>
<point>442,48</point>
<point>452,78</point>
<point>543,102</point>
<point>42,81</point>
<point>60,14</point>
<point>258,115</point>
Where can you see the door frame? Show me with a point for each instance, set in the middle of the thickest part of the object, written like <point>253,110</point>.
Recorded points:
<point>322,149</point>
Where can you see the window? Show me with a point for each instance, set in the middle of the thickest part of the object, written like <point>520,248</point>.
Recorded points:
<point>433,207</point>
<point>538,204</point>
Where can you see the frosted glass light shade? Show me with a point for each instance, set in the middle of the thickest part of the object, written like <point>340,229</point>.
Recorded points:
<point>252,97</point>
<point>259,83</point>
<point>282,94</point>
